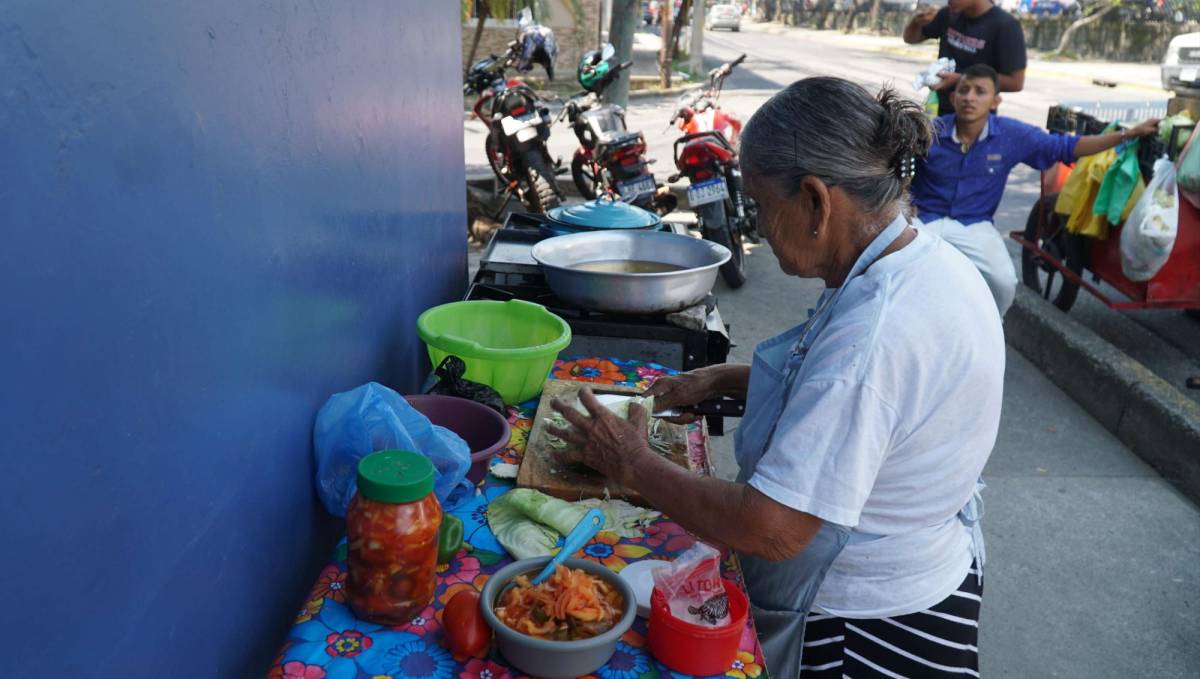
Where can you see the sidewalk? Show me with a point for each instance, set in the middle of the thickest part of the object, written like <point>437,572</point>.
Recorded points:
<point>1132,75</point>
<point>1091,556</point>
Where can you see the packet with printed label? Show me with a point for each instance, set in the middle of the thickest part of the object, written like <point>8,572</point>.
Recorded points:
<point>692,587</point>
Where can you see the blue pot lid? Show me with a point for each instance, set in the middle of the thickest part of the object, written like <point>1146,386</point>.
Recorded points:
<point>604,214</point>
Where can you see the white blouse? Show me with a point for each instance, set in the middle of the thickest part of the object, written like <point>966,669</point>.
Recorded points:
<point>891,427</point>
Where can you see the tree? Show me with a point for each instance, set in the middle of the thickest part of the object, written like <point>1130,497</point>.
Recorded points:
<point>666,56</point>
<point>625,16</point>
<point>684,11</point>
<point>859,6</point>
<point>483,12</point>
<point>1098,11</point>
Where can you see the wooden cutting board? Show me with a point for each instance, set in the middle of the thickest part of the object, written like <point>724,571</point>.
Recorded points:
<point>543,469</point>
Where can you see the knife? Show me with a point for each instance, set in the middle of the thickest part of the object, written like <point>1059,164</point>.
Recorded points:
<point>728,407</point>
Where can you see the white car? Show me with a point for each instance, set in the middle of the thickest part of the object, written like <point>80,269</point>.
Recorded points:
<point>724,16</point>
<point>1181,65</point>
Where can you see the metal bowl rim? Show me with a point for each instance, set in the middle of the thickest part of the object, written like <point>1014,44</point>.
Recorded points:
<point>727,255</point>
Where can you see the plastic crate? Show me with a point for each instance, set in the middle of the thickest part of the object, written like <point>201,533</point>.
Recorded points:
<point>1091,117</point>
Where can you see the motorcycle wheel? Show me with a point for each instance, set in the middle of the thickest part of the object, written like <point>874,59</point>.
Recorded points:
<point>495,156</point>
<point>717,227</point>
<point>542,191</point>
<point>584,175</point>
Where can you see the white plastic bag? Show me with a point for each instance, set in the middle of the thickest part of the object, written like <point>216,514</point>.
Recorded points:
<point>1149,232</point>
<point>693,588</point>
<point>929,77</point>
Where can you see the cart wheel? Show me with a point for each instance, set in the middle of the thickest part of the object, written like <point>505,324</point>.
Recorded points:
<point>1054,239</point>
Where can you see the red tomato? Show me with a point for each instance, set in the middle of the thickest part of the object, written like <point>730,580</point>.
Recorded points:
<point>467,633</point>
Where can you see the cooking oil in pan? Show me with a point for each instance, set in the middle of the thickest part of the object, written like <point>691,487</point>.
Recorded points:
<point>627,266</point>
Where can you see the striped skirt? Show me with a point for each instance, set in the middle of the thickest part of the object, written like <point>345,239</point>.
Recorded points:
<point>941,641</point>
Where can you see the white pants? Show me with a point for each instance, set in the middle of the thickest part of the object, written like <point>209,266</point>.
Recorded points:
<point>984,246</point>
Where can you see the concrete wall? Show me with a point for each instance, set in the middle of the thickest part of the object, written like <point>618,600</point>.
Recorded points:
<point>1142,41</point>
<point>1110,40</point>
<point>573,40</point>
<point>215,215</point>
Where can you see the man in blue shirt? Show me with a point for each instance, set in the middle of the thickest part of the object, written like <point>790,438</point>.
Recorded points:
<point>958,186</point>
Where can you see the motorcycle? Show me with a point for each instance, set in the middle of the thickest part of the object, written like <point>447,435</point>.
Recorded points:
<point>707,155</point>
<point>610,159</point>
<point>518,120</point>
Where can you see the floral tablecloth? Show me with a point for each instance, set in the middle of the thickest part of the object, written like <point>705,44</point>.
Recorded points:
<point>328,642</point>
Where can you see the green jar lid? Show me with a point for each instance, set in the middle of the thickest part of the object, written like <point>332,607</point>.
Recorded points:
<point>395,476</point>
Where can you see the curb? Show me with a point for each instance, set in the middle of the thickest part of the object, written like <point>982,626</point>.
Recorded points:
<point>669,92</point>
<point>1147,414</point>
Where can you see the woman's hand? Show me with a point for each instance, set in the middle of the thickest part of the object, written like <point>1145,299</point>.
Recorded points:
<point>603,441</point>
<point>684,389</point>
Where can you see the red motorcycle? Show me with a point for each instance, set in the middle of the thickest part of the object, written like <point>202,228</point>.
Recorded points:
<point>707,155</point>
<point>518,127</point>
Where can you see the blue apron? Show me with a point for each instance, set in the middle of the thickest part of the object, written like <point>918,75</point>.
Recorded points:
<point>782,592</point>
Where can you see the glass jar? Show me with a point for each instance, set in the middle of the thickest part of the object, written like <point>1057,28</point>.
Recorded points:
<point>392,537</point>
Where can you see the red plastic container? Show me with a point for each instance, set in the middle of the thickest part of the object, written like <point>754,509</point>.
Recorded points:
<point>697,649</point>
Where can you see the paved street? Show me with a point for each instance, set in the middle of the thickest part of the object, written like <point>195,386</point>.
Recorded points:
<point>1167,342</point>
<point>1092,557</point>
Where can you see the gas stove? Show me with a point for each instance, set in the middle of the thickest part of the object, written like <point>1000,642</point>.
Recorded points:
<point>686,340</point>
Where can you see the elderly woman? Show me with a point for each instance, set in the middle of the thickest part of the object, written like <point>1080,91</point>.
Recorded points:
<point>866,426</point>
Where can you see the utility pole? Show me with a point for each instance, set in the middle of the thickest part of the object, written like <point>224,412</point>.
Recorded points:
<point>696,54</point>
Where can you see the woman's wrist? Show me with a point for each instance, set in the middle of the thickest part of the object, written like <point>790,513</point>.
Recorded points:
<point>728,378</point>
<point>632,468</point>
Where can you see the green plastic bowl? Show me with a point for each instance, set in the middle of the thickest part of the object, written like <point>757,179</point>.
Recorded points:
<point>509,346</point>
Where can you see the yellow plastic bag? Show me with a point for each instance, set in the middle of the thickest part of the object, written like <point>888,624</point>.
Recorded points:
<point>1079,193</point>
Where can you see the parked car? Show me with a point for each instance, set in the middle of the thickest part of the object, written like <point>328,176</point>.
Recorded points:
<point>724,16</point>
<point>1181,65</point>
<point>1053,7</point>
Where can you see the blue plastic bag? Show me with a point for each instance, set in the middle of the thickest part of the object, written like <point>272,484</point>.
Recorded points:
<point>356,423</point>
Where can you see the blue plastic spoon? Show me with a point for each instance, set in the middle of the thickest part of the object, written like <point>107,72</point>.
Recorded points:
<point>580,535</point>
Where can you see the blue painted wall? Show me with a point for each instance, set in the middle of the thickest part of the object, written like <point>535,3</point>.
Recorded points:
<point>214,215</point>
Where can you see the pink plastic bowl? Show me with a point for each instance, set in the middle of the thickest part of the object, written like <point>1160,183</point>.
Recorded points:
<point>484,430</point>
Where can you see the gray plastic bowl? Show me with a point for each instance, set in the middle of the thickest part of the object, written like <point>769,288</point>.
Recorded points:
<point>555,659</point>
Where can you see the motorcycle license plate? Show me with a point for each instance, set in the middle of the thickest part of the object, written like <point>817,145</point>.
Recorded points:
<point>707,192</point>
<point>636,187</point>
<point>514,126</point>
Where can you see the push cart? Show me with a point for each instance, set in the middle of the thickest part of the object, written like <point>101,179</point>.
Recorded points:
<point>1056,263</point>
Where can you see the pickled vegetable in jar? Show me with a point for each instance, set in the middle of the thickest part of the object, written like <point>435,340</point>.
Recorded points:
<point>392,537</point>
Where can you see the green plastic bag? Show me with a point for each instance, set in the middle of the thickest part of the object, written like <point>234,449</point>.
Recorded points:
<point>1188,177</point>
<point>932,104</point>
<point>1118,185</point>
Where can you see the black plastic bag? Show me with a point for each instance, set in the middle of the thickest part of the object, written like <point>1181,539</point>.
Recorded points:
<point>451,383</point>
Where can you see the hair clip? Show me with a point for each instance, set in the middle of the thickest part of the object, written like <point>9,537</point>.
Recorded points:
<point>907,167</point>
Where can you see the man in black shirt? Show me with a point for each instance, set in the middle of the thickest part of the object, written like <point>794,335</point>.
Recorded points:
<point>972,32</point>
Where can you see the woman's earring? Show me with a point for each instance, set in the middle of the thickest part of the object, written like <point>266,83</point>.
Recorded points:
<point>814,233</point>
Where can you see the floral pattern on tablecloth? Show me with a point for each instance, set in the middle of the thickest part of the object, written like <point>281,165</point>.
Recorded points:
<point>328,642</point>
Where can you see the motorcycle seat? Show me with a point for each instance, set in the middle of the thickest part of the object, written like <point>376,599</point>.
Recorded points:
<point>617,139</point>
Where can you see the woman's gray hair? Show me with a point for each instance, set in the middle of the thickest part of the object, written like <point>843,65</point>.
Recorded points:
<point>834,130</point>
